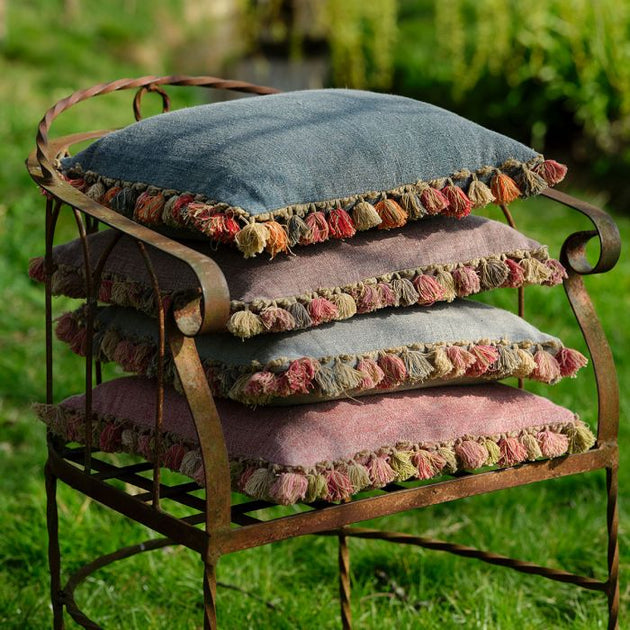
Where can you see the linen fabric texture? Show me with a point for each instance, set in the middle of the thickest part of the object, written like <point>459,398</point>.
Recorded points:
<point>332,450</point>
<point>386,350</point>
<point>272,172</point>
<point>432,261</point>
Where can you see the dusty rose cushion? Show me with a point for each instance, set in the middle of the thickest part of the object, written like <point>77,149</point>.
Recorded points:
<point>332,450</point>
<point>385,350</point>
<point>435,260</point>
<point>273,172</point>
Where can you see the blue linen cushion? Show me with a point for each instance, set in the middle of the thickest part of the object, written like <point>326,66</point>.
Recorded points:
<point>271,172</point>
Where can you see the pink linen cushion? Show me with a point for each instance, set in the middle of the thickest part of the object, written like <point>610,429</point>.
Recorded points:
<point>382,351</point>
<point>333,450</point>
<point>432,261</point>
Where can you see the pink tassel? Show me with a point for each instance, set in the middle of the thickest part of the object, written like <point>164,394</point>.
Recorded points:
<point>459,205</point>
<point>394,369</point>
<point>558,272</point>
<point>277,319</point>
<point>429,290</point>
<point>547,369</point>
<point>109,440</point>
<point>512,451</point>
<point>516,275</point>
<point>67,328</point>
<point>173,456</point>
<point>570,361</point>
<point>551,171</point>
<point>381,473</point>
<point>552,444</point>
<point>422,461</point>
<point>123,354</point>
<point>486,356</point>
<point>340,224</point>
<point>317,229</point>
<point>289,488</point>
<point>461,359</point>
<point>386,294</point>
<point>259,385</point>
<point>322,310</point>
<point>105,291</point>
<point>372,374</point>
<point>78,344</point>
<point>144,446</point>
<point>339,486</point>
<point>298,378</point>
<point>466,281</point>
<point>244,478</point>
<point>369,300</point>
<point>471,454</point>
<point>37,269</point>
<point>433,201</point>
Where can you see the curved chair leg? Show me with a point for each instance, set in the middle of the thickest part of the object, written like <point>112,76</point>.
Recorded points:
<point>209,597</point>
<point>344,582</point>
<point>613,549</point>
<point>54,555</point>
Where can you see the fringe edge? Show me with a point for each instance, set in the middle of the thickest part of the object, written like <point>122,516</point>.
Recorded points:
<point>338,480</point>
<point>421,285</point>
<point>332,377</point>
<point>305,224</point>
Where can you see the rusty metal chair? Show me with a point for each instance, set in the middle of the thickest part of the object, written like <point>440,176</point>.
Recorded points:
<point>227,528</point>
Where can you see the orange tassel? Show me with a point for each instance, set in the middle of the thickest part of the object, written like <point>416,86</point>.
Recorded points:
<point>504,188</point>
<point>278,240</point>
<point>391,213</point>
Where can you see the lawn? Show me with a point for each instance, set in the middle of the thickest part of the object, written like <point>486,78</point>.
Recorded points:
<point>290,584</point>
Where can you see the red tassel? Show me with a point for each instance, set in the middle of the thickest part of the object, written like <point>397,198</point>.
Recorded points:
<point>516,274</point>
<point>512,452</point>
<point>173,456</point>
<point>179,210</point>
<point>371,374</point>
<point>109,440</point>
<point>570,361</point>
<point>394,369</point>
<point>429,290</point>
<point>148,209</point>
<point>369,299</point>
<point>340,224</point>
<point>298,378</point>
<point>339,486</point>
<point>322,310</point>
<point>486,356</point>
<point>110,194</point>
<point>461,359</point>
<point>558,272</point>
<point>504,188</point>
<point>551,171</point>
<point>433,200</point>
<point>317,229</point>
<point>260,385</point>
<point>459,205</point>
<point>386,295</point>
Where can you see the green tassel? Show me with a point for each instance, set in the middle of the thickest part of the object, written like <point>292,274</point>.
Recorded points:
<point>580,438</point>
<point>259,484</point>
<point>494,453</point>
<point>441,362</point>
<point>411,204</point>
<point>365,216</point>
<point>418,367</point>
<point>400,462</point>
<point>448,454</point>
<point>445,279</point>
<point>317,488</point>
<point>532,446</point>
<point>245,324</point>
<point>359,476</point>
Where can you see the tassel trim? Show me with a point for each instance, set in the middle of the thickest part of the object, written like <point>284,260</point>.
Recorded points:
<point>305,224</point>
<point>331,481</point>
<point>332,377</point>
<point>420,285</point>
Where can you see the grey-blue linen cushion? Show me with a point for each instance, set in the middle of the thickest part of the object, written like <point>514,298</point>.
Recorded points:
<point>272,172</point>
<point>464,341</point>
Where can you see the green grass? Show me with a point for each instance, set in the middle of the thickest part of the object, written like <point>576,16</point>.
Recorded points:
<point>560,523</point>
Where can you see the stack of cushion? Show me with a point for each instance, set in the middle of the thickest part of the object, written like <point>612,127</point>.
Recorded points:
<point>347,365</point>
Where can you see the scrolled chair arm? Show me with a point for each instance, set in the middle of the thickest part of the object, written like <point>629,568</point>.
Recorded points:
<point>573,253</point>
<point>214,306</point>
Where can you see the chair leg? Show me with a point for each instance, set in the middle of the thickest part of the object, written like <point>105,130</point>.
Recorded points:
<point>209,597</point>
<point>54,555</point>
<point>613,549</point>
<point>344,582</point>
